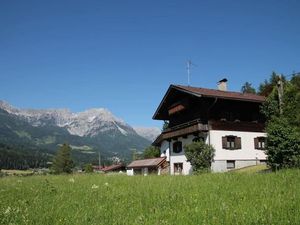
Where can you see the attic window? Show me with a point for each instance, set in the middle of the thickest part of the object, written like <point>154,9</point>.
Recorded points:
<point>231,142</point>
<point>175,109</point>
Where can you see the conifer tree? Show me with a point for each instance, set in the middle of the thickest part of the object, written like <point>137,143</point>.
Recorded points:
<point>63,162</point>
<point>247,88</point>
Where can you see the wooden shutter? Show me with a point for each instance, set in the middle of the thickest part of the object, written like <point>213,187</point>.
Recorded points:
<point>224,142</point>
<point>238,143</point>
<point>256,143</point>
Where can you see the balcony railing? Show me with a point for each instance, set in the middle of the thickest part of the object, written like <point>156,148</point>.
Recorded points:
<point>182,125</point>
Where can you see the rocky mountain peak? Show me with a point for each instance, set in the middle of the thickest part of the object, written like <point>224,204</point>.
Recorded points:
<point>87,123</point>
<point>150,133</point>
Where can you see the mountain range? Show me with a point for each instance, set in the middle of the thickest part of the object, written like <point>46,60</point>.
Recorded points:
<point>89,132</point>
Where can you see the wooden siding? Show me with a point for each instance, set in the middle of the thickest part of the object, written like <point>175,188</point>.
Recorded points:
<point>236,126</point>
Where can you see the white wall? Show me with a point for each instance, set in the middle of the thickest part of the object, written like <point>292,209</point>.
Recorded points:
<point>245,156</point>
<point>247,152</point>
<point>130,172</point>
<point>164,150</point>
<point>178,157</point>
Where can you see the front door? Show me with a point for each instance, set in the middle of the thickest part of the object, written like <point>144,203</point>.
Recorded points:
<point>178,168</point>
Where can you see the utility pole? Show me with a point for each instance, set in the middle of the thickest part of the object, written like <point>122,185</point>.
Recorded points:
<point>99,161</point>
<point>280,93</point>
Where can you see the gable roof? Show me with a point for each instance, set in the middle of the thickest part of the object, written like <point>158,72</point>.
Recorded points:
<point>221,94</point>
<point>112,167</point>
<point>211,93</point>
<point>154,162</point>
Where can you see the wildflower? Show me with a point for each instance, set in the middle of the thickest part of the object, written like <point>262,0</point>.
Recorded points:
<point>95,186</point>
<point>71,180</point>
<point>7,211</point>
<point>106,184</point>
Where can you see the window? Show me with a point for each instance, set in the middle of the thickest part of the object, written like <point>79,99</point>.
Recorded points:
<point>177,147</point>
<point>263,161</point>
<point>178,168</point>
<point>260,143</point>
<point>230,164</point>
<point>231,142</point>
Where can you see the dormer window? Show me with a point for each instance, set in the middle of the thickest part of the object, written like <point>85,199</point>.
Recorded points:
<point>231,142</point>
<point>177,147</point>
<point>260,143</point>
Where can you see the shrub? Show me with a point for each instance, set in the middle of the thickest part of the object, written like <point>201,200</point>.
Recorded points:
<point>200,155</point>
<point>88,168</point>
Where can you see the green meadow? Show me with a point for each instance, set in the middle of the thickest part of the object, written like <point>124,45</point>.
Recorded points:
<point>227,198</point>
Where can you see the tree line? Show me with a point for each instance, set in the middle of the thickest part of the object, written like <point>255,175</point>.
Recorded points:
<point>19,157</point>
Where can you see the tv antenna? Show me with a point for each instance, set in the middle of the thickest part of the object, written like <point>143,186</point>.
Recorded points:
<point>188,67</point>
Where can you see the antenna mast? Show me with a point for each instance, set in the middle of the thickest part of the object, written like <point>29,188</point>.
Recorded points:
<point>188,67</point>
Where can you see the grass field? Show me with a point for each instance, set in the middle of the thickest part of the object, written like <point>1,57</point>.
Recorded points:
<point>229,198</point>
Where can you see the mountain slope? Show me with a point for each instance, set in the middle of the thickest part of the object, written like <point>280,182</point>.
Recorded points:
<point>150,133</point>
<point>89,132</point>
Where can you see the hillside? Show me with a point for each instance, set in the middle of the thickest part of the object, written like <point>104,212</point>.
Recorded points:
<point>88,132</point>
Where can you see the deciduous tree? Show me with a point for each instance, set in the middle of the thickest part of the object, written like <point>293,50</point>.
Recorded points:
<point>151,152</point>
<point>283,127</point>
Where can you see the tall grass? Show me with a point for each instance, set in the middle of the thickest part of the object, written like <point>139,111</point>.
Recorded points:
<point>229,198</point>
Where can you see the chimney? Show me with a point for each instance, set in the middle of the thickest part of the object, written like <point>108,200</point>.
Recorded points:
<point>222,85</point>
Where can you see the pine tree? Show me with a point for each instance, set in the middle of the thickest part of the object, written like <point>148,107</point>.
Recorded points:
<point>62,162</point>
<point>247,88</point>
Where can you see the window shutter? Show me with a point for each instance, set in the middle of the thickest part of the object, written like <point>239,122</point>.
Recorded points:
<point>224,142</point>
<point>238,143</point>
<point>256,143</point>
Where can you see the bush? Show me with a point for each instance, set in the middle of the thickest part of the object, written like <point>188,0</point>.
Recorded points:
<point>200,155</point>
<point>88,168</point>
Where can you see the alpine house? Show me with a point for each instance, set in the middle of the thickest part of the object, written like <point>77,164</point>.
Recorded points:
<point>229,121</point>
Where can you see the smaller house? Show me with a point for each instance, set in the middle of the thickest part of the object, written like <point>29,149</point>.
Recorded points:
<point>114,168</point>
<point>147,166</point>
<point>97,168</point>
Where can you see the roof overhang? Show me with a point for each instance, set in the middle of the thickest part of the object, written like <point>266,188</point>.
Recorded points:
<point>207,93</point>
<point>171,87</point>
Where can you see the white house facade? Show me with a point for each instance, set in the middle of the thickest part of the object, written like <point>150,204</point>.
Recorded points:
<point>229,121</point>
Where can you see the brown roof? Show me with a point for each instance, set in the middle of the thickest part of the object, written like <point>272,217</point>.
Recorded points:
<point>221,94</point>
<point>154,162</point>
<point>112,167</point>
<point>208,93</point>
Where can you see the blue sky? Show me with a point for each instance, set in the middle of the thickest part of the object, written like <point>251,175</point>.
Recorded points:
<point>123,55</point>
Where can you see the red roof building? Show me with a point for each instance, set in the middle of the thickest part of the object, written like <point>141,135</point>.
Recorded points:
<point>146,166</point>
